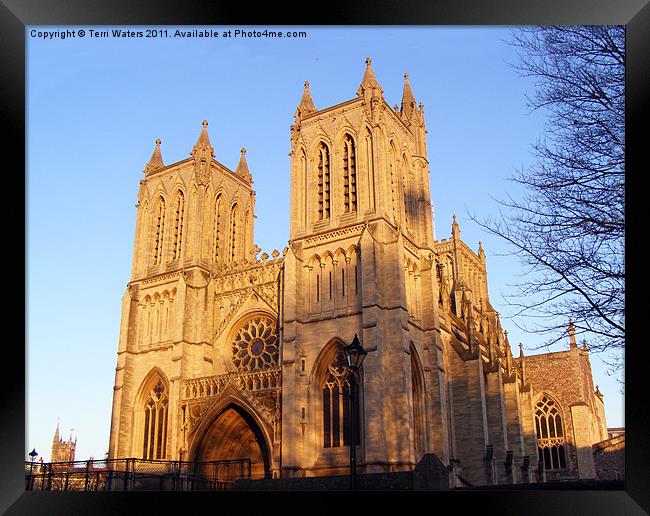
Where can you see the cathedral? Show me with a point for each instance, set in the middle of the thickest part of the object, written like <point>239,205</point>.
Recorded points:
<point>225,353</point>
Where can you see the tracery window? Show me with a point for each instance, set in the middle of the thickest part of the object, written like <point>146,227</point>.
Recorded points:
<point>417,391</point>
<point>255,345</point>
<point>234,213</point>
<point>550,434</point>
<point>337,390</point>
<point>178,226</point>
<point>217,229</point>
<point>349,174</point>
<point>155,422</point>
<point>159,231</point>
<point>323,182</point>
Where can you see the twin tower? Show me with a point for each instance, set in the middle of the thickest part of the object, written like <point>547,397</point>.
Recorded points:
<point>226,355</point>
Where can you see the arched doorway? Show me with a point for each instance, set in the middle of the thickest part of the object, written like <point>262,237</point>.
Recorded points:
<point>234,435</point>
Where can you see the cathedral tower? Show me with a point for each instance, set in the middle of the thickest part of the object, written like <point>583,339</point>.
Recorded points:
<point>360,262</point>
<point>194,221</point>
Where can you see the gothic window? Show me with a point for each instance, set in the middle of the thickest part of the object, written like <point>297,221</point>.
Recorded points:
<point>406,192</point>
<point>155,422</point>
<point>217,230</point>
<point>255,345</point>
<point>349,174</point>
<point>178,226</point>
<point>233,232</point>
<point>302,197</point>
<point>394,184</point>
<point>368,177</point>
<point>323,182</point>
<point>158,231</point>
<point>337,391</point>
<point>248,232</point>
<point>417,391</point>
<point>550,434</point>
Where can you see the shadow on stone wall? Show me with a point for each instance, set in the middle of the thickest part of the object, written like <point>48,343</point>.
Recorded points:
<point>429,474</point>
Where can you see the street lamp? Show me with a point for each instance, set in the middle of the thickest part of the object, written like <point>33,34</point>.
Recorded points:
<point>32,456</point>
<point>354,356</point>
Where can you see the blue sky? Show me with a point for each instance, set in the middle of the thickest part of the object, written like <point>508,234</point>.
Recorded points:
<point>96,106</point>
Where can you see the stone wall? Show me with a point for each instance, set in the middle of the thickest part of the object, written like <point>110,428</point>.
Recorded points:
<point>609,458</point>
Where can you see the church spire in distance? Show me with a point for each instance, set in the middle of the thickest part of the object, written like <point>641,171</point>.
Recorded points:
<point>156,161</point>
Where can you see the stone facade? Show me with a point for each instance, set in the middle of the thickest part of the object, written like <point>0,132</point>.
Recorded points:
<point>223,355</point>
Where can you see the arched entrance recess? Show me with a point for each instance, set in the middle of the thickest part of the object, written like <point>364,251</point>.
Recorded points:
<point>234,435</point>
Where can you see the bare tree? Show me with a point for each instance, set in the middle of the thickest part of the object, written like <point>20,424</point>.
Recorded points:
<point>568,228</point>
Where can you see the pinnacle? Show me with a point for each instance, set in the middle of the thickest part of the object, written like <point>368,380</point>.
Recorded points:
<point>408,99</point>
<point>306,105</point>
<point>203,143</point>
<point>242,167</point>
<point>369,80</point>
<point>156,161</point>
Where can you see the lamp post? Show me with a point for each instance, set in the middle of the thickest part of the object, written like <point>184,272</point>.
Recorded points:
<point>32,456</point>
<point>354,356</point>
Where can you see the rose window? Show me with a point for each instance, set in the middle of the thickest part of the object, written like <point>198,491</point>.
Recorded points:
<point>255,345</point>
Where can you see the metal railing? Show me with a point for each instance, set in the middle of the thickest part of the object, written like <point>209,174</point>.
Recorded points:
<point>135,474</point>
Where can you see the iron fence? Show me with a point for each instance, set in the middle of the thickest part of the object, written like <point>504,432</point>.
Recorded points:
<point>135,474</point>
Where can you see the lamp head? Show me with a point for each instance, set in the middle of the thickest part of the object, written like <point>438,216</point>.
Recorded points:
<point>355,354</point>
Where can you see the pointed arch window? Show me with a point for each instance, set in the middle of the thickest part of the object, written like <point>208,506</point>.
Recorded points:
<point>394,181</point>
<point>217,230</point>
<point>406,192</point>
<point>550,434</point>
<point>158,231</point>
<point>349,174</point>
<point>336,391</point>
<point>178,226</point>
<point>417,391</point>
<point>234,214</point>
<point>155,422</point>
<point>323,182</point>
<point>368,178</point>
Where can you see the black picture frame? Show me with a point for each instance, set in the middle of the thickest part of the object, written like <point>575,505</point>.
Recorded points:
<point>15,15</point>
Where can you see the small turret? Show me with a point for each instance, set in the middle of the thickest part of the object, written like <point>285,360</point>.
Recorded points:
<point>156,161</point>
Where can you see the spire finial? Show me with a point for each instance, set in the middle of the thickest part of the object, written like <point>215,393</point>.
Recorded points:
<point>369,82</point>
<point>306,105</point>
<point>242,167</point>
<point>156,160</point>
<point>572,335</point>
<point>203,143</point>
<point>409,105</point>
<point>455,229</point>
